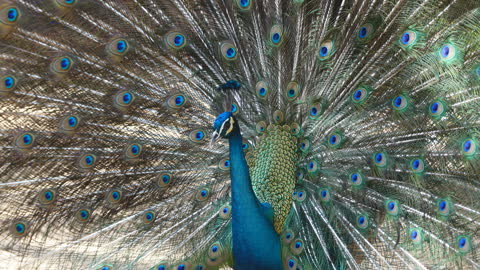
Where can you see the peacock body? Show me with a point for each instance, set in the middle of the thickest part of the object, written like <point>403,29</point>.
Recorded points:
<point>345,134</point>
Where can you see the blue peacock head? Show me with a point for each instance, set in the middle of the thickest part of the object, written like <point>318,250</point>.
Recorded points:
<point>224,126</point>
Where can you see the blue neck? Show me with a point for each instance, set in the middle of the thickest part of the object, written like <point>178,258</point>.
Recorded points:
<point>256,245</point>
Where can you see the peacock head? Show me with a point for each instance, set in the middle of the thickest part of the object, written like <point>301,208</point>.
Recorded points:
<point>224,126</point>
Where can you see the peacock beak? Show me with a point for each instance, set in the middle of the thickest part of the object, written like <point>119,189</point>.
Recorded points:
<point>215,137</point>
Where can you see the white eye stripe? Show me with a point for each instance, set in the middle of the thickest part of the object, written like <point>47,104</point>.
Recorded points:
<point>221,127</point>
<point>232,121</point>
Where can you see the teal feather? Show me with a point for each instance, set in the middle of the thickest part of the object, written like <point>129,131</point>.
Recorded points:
<point>346,134</point>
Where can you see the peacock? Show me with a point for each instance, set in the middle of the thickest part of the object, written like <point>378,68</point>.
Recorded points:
<point>239,134</point>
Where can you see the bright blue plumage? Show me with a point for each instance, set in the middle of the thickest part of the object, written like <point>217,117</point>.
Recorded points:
<point>255,243</point>
<point>345,134</point>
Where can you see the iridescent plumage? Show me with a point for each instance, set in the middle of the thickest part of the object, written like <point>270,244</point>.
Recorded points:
<point>358,121</point>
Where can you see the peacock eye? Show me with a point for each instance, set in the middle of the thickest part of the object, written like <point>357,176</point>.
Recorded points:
<point>315,110</point>
<point>133,151</point>
<point>300,195</point>
<point>83,215</point>
<point>244,5</point>
<point>12,14</point>
<point>278,117</point>
<point>182,267</point>
<point>400,103</point>
<point>326,50</point>
<point>304,145</point>
<point>18,228</point>
<point>9,82</point>
<point>114,196</point>
<point>175,40</point>
<point>148,217</point>
<point>292,91</point>
<point>450,54</point>
<point>260,127</point>
<point>47,196</point>
<point>313,167</point>
<point>287,236</point>
<point>359,95</point>
<point>62,64</point>
<point>380,160</point>
<point>25,140</point>
<point>296,247</point>
<point>392,207</point>
<point>300,174</point>
<point>72,121</point>
<point>65,63</point>
<point>262,89</point>
<point>235,109</point>
<point>228,51</point>
<point>408,39</point>
<point>469,147</point>
<point>224,164</point>
<point>444,207</point>
<point>365,31</point>
<point>197,136</point>
<point>215,250</point>
<point>127,98</point>
<point>225,212</point>
<point>69,123</point>
<point>325,195</point>
<point>357,180</point>
<point>177,101</point>
<point>276,35</point>
<point>335,140</point>
<point>464,243</point>
<point>124,98</point>
<point>447,52</point>
<point>162,266</point>
<point>202,194</point>
<point>291,263</point>
<point>121,46</point>
<point>295,129</point>
<point>417,166</point>
<point>9,15</point>
<point>87,161</point>
<point>362,221</point>
<point>416,235</point>
<point>164,180</point>
<point>437,109</point>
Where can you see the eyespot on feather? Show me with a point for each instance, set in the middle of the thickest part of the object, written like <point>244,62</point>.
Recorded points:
<point>83,215</point>
<point>87,161</point>
<point>24,140</point>
<point>164,180</point>
<point>228,51</point>
<point>202,194</point>
<point>47,196</point>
